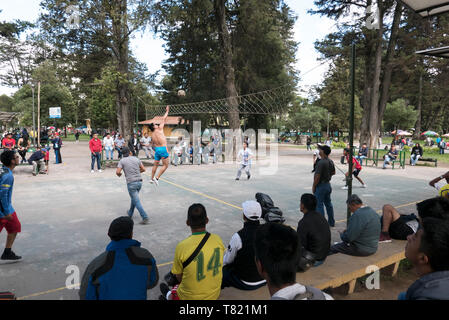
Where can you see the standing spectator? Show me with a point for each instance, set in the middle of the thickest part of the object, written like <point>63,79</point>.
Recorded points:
<point>133,168</point>
<point>314,233</point>
<point>95,149</point>
<point>428,251</point>
<point>390,156</point>
<point>239,268</point>
<point>23,144</point>
<point>8,143</point>
<point>133,145</point>
<point>8,216</point>
<point>438,140</point>
<point>119,143</point>
<point>308,143</point>
<point>201,278</point>
<point>177,154</point>
<point>77,136</point>
<point>321,188</point>
<point>191,152</point>
<point>442,146</point>
<point>363,154</point>
<point>276,249</point>
<point>145,143</point>
<point>57,144</point>
<point>362,236</point>
<point>108,144</point>
<point>125,271</point>
<point>37,160</point>
<point>245,155</point>
<point>416,154</point>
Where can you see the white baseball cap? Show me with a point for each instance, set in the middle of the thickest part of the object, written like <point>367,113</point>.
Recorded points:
<point>252,210</point>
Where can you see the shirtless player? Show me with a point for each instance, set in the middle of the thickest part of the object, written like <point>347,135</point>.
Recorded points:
<point>160,142</point>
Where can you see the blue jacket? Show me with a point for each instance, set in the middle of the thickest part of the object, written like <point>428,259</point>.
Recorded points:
<point>6,185</point>
<point>432,286</point>
<point>124,272</point>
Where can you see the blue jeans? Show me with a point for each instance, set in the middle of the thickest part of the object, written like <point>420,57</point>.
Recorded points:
<point>441,150</point>
<point>323,196</point>
<point>134,189</point>
<point>96,156</point>
<point>414,158</point>
<point>360,159</point>
<point>231,280</point>
<point>109,152</point>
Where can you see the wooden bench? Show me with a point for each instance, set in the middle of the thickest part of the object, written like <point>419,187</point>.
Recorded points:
<point>338,270</point>
<point>429,160</point>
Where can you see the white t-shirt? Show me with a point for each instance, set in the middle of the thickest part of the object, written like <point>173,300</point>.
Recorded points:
<point>245,154</point>
<point>108,143</point>
<point>317,153</point>
<point>145,141</point>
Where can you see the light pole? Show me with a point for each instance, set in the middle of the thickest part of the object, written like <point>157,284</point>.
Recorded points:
<point>34,120</point>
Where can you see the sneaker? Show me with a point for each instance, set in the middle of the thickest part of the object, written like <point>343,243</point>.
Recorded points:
<point>345,188</point>
<point>384,238</point>
<point>364,186</point>
<point>249,177</point>
<point>155,181</point>
<point>237,179</point>
<point>100,170</point>
<point>92,171</point>
<point>11,256</point>
<point>145,221</point>
<point>164,289</point>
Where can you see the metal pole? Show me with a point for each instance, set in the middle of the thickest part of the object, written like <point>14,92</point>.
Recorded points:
<point>34,119</point>
<point>328,114</point>
<point>351,126</point>
<point>137,115</point>
<point>39,113</point>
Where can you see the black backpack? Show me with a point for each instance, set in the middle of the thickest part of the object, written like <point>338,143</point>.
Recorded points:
<point>270,213</point>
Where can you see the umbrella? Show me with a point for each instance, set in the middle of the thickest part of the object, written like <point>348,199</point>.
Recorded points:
<point>430,133</point>
<point>446,135</point>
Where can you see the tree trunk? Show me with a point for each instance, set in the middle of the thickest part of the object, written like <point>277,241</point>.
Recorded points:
<point>227,55</point>
<point>121,51</point>
<point>419,108</point>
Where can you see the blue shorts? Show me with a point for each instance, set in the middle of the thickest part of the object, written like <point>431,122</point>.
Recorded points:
<point>161,152</point>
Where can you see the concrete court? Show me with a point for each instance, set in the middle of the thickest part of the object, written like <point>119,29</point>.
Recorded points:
<point>65,215</point>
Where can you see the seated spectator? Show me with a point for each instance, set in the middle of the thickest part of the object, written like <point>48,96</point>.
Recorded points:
<point>239,268</point>
<point>200,279</point>
<point>362,236</point>
<point>190,150</point>
<point>390,156</point>
<point>395,225</point>
<point>37,160</point>
<point>314,233</point>
<point>416,154</point>
<point>438,179</point>
<point>125,271</point>
<point>8,143</point>
<point>363,153</point>
<point>277,251</point>
<point>428,251</point>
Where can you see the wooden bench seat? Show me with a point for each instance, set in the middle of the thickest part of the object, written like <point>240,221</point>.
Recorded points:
<point>429,160</point>
<point>337,270</point>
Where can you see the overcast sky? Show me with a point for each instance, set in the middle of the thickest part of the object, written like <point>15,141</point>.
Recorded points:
<point>149,49</point>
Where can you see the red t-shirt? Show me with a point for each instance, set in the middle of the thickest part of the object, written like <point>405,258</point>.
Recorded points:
<point>355,163</point>
<point>8,143</point>
<point>95,145</point>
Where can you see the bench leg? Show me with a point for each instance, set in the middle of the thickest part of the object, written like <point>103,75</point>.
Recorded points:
<point>351,286</point>
<point>391,270</point>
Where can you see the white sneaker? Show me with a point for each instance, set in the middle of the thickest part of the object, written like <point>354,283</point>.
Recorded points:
<point>156,182</point>
<point>92,171</point>
<point>100,170</point>
<point>364,186</point>
<point>345,188</point>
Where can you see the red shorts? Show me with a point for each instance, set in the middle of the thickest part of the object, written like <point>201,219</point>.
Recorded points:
<point>11,226</point>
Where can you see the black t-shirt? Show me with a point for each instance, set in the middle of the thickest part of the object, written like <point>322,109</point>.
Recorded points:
<point>315,234</point>
<point>325,168</point>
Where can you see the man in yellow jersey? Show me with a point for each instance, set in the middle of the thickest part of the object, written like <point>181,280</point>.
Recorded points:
<point>201,278</point>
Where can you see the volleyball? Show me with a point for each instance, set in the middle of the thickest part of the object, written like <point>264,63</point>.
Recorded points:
<point>181,93</point>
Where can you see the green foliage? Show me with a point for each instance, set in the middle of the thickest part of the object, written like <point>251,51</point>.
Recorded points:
<point>399,115</point>
<point>6,103</point>
<point>303,117</point>
<point>338,145</point>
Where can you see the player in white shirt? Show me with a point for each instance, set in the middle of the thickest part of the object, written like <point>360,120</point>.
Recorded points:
<point>246,155</point>
<point>108,144</point>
